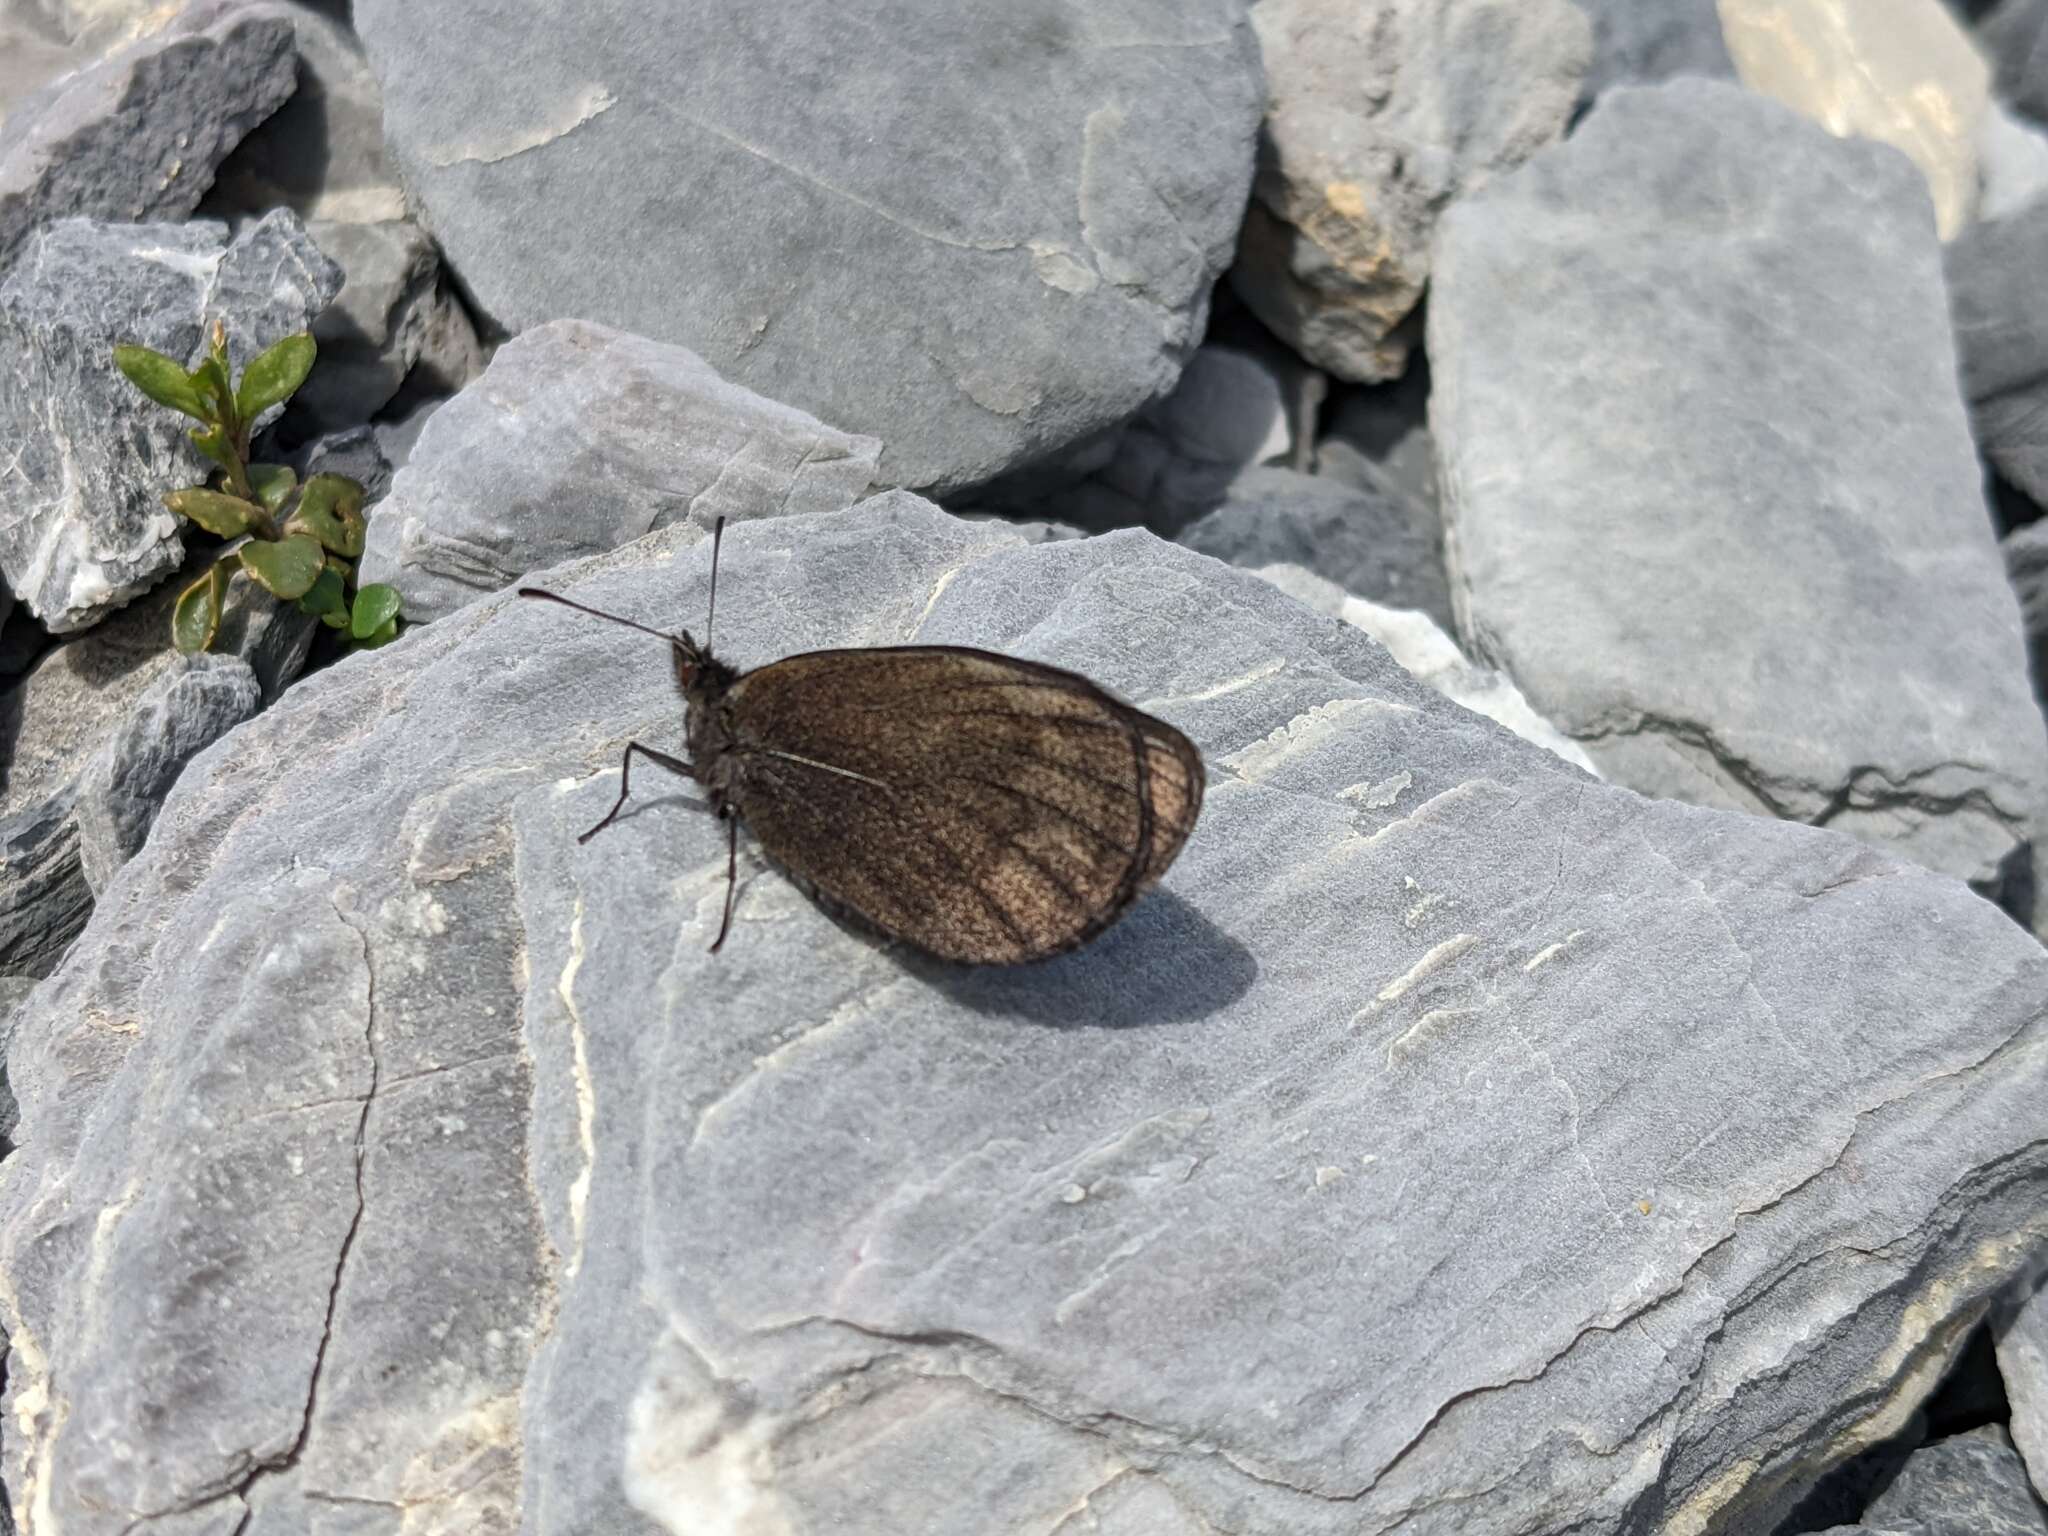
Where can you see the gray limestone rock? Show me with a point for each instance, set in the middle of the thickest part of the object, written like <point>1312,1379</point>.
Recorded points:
<point>322,153</point>
<point>2012,163</point>
<point>578,439</point>
<point>980,232</point>
<point>1709,492</point>
<point>1377,543</point>
<point>1177,458</point>
<point>2022,1344</point>
<point>187,708</point>
<point>357,452</point>
<point>2014,37</point>
<point>77,697</point>
<point>1640,42</point>
<point>1454,1143</point>
<point>135,137</point>
<point>1418,642</point>
<point>1970,1484</point>
<point>1381,113</point>
<point>82,524</point>
<point>393,314</point>
<point>14,991</point>
<point>1998,293</point>
<point>2026,565</point>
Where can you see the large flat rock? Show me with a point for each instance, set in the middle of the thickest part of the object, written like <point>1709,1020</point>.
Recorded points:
<point>1454,1142</point>
<point>1709,488</point>
<point>980,232</point>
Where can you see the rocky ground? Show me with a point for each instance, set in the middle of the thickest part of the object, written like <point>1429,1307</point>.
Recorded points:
<point>1575,469</point>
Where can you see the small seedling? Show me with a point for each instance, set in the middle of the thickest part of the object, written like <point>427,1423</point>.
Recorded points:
<point>300,542</point>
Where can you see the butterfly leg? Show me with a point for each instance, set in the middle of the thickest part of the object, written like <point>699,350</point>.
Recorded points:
<point>673,764</point>
<point>732,869</point>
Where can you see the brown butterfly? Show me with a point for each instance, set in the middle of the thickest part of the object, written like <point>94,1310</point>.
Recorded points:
<point>984,809</point>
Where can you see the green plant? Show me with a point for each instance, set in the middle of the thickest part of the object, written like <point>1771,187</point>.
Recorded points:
<point>299,542</point>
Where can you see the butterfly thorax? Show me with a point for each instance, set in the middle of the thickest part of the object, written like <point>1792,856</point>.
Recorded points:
<point>706,724</point>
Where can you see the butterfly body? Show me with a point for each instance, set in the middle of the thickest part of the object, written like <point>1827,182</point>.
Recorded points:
<point>982,808</point>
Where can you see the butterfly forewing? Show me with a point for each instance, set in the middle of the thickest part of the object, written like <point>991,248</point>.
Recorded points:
<point>981,807</point>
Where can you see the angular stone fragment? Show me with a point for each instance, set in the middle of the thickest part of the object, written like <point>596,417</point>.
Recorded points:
<point>2022,1343</point>
<point>83,527</point>
<point>1998,294</point>
<point>1450,1132</point>
<point>1971,1484</point>
<point>1640,42</point>
<point>978,230</point>
<point>1902,72</point>
<point>135,137</point>
<point>192,704</point>
<point>393,314</point>
<point>578,439</point>
<point>322,153</point>
<point>1380,113</point>
<point>1710,495</point>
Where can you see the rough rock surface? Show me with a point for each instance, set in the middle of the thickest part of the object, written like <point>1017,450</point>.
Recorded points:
<point>2014,36</point>
<point>88,457</point>
<point>2026,564</point>
<point>1431,657</point>
<point>1710,495</point>
<point>1640,42</point>
<point>192,704</point>
<point>135,138</point>
<point>1377,436</point>
<point>14,990</point>
<point>1965,1485</point>
<point>75,699</point>
<point>1899,71</point>
<point>2012,163</point>
<point>394,313</point>
<point>1454,1143</point>
<point>322,153</point>
<point>1378,543</point>
<point>1381,112</point>
<point>2022,1343</point>
<point>980,248</point>
<point>1998,292</point>
<point>578,439</point>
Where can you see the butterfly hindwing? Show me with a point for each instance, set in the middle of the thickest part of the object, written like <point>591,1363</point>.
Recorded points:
<point>981,807</point>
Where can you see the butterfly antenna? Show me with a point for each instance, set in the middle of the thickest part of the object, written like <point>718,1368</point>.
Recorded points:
<point>711,608</point>
<point>598,613</point>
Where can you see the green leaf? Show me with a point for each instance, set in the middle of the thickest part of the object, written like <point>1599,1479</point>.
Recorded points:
<point>325,599</point>
<point>213,510</point>
<point>288,567</point>
<point>211,378</point>
<point>376,608</point>
<point>195,618</point>
<point>272,483</point>
<point>163,380</point>
<point>383,634</point>
<point>213,442</point>
<point>331,509</point>
<point>271,377</point>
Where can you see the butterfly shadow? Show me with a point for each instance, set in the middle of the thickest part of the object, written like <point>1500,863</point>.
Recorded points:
<point>1164,963</point>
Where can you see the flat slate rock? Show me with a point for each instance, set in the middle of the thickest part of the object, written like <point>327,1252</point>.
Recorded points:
<point>83,528</point>
<point>135,137</point>
<point>1453,1143</point>
<point>579,438</point>
<point>1709,490</point>
<point>980,232</point>
<point>1381,113</point>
